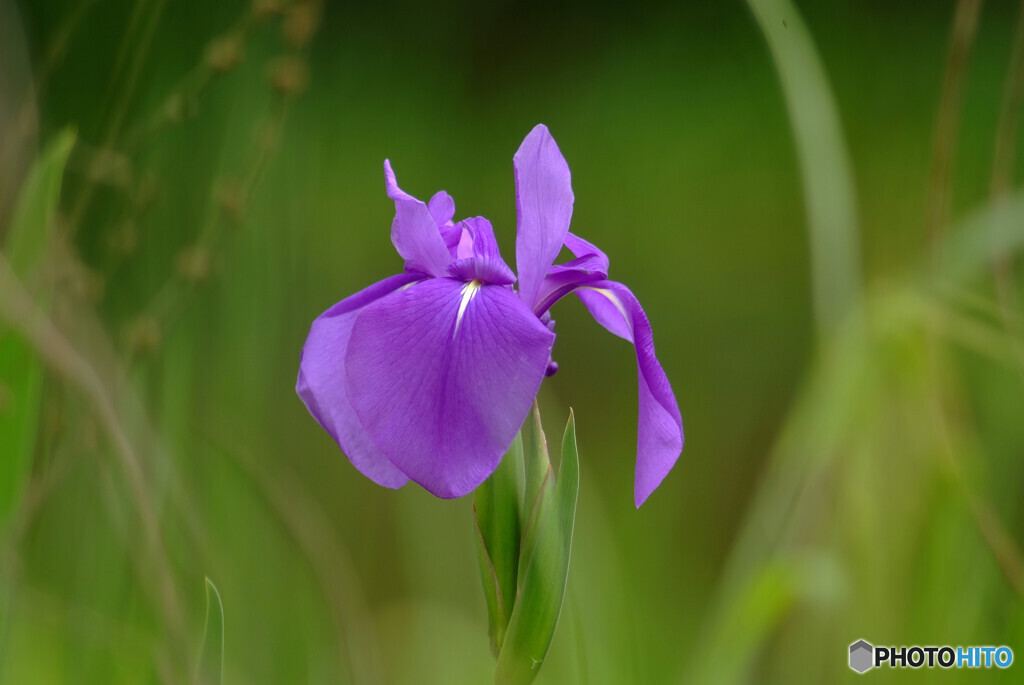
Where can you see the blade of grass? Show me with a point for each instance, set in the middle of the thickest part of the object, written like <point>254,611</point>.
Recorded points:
<point>965,23</point>
<point>210,670</point>
<point>21,373</point>
<point>829,195</point>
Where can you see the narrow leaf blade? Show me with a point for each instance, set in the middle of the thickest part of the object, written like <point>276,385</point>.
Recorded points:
<point>496,514</point>
<point>21,374</point>
<point>32,221</point>
<point>829,194</point>
<point>211,656</point>
<point>536,460</point>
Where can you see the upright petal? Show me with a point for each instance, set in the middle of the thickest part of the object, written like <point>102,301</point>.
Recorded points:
<point>587,251</point>
<point>442,376</point>
<point>659,427</point>
<point>477,255</point>
<point>543,207</point>
<point>414,232</point>
<point>483,242</point>
<point>321,382</point>
<point>442,208</point>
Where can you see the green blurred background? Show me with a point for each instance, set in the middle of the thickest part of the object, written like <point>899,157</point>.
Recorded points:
<point>862,480</point>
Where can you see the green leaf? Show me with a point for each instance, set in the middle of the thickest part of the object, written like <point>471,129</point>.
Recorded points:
<point>32,220</point>
<point>539,601</point>
<point>994,230</point>
<point>496,514</point>
<point>733,639</point>
<point>537,462</point>
<point>21,373</point>
<point>824,164</point>
<point>540,485</point>
<point>211,656</point>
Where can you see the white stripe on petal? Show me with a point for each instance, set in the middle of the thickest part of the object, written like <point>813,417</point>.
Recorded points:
<point>614,299</point>
<point>469,291</point>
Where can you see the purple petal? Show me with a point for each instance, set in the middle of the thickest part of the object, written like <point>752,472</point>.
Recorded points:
<point>589,265</point>
<point>482,237</point>
<point>321,382</point>
<point>659,427</point>
<point>442,376</point>
<point>482,269</point>
<point>477,255</point>
<point>587,251</point>
<point>452,236</point>
<point>561,281</point>
<point>414,232</point>
<point>442,208</point>
<point>543,207</point>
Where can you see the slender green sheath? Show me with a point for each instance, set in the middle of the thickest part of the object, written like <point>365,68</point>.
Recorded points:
<point>538,463</point>
<point>498,532</point>
<point>542,588</point>
<point>524,523</point>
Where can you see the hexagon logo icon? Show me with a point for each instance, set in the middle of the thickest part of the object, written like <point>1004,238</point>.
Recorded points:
<point>861,656</point>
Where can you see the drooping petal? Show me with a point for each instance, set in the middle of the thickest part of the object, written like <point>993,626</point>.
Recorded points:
<point>543,206</point>
<point>660,426</point>
<point>442,375</point>
<point>414,232</point>
<point>321,382</point>
<point>589,265</point>
<point>560,282</point>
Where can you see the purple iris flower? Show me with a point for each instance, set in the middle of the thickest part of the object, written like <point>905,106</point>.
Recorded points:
<point>428,375</point>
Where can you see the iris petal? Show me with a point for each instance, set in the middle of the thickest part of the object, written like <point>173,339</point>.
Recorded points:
<point>659,425</point>
<point>443,404</point>
<point>477,255</point>
<point>442,208</point>
<point>321,382</point>
<point>414,232</point>
<point>587,252</point>
<point>543,207</point>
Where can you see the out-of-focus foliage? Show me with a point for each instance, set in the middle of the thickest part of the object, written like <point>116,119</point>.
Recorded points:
<point>861,479</point>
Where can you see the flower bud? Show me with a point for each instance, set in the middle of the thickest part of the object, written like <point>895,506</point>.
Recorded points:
<point>111,167</point>
<point>224,53</point>
<point>261,9</point>
<point>174,108</point>
<point>300,24</point>
<point>289,75</point>
<point>143,335</point>
<point>194,264</point>
<point>123,239</point>
<point>231,200</point>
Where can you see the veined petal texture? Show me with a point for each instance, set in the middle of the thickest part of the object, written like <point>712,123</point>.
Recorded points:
<point>543,208</point>
<point>659,426</point>
<point>321,382</point>
<point>442,375</point>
